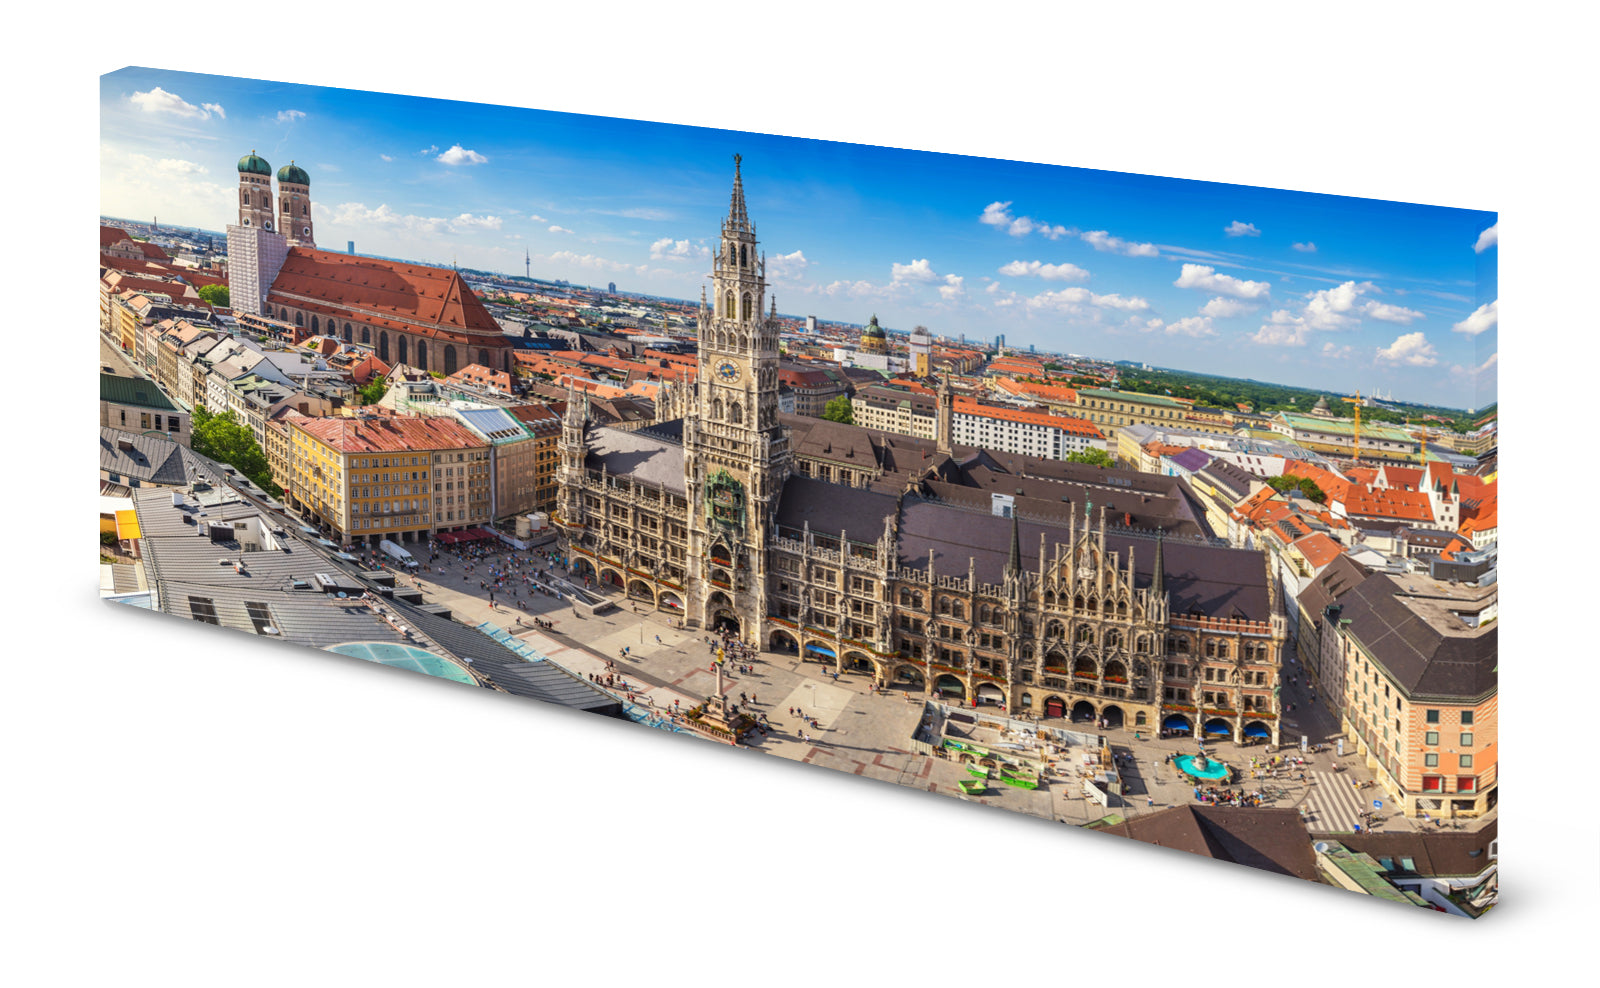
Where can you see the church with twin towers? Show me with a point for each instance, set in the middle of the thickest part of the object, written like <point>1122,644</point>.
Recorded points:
<point>990,578</point>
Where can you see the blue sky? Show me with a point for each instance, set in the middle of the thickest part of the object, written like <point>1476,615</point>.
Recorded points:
<point>1318,291</point>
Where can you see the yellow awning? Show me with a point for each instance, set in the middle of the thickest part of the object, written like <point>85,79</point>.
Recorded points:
<point>127,525</point>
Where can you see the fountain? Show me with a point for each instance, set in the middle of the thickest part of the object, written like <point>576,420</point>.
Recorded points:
<point>1202,769</point>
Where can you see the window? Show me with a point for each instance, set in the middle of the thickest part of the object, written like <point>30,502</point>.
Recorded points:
<point>1431,759</point>
<point>1466,761</point>
<point>1466,740</point>
<point>1433,783</point>
<point>1433,716</point>
<point>202,609</point>
<point>1466,717</point>
<point>1467,783</point>
<point>1432,737</point>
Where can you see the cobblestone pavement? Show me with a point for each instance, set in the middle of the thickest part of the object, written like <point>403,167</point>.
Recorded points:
<point>865,733</point>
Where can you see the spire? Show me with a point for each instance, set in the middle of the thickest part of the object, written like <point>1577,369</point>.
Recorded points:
<point>1014,562</point>
<point>737,217</point>
<point>1157,574</point>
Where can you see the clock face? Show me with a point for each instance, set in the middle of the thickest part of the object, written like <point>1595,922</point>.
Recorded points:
<point>728,371</point>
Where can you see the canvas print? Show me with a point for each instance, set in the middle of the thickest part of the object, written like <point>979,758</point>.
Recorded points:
<point>1163,509</point>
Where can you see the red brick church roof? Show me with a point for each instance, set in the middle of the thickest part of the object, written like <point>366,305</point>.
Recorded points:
<point>385,293</point>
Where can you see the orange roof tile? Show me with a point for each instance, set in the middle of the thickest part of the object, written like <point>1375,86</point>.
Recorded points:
<point>398,294</point>
<point>1318,549</point>
<point>1081,427</point>
<point>389,434</point>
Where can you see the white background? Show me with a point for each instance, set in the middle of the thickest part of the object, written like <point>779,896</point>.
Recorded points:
<point>188,807</point>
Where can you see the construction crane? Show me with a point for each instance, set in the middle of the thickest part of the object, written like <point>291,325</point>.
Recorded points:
<point>1356,428</point>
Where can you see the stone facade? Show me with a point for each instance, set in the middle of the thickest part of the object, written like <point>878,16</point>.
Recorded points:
<point>710,518</point>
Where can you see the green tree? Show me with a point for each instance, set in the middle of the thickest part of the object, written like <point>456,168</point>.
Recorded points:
<point>838,410</point>
<point>216,295</point>
<point>373,391</point>
<point>1093,457</point>
<point>222,438</point>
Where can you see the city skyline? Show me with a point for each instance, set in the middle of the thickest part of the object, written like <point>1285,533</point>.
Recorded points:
<point>1310,290</point>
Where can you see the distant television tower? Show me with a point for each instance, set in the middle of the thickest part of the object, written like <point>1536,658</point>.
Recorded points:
<point>527,264</point>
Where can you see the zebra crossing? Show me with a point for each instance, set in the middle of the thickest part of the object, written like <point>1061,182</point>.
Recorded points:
<point>1333,805</point>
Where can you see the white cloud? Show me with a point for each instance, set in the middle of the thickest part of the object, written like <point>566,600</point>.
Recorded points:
<point>1238,229</point>
<point>178,166</point>
<point>158,100</point>
<point>1487,238</point>
<point>176,190</point>
<point>290,116</point>
<point>1101,240</point>
<point>1333,351</point>
<point>995,214</point>
<point>355,214</point>
<point>951,289</point>
<point>1072,300</point>
<point>385,157</point>
<point>1306,248</point>
<point>998,214</point>
<point>591,261</point>
<point>1192,326</point>
<point>1331,308</point>
<point>1224,308</point>
<point>1412,349</point>
<point>636,213</point>
<point>458,155</point>
<point>558,229</point>
<point>1204,278</point>
<point>787,266</point>
<point>1049,272</point>
<point>1485,318</point>
<point>855,289</point>
<point>1391,313</point>
<point>920,271</point>
<point>430,149</point>
<point>536,218</point>
<point>1146,325</point>
<point>667,249</point>
<point>1282,328</point>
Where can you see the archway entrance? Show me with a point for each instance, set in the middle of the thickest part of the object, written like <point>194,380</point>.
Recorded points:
<point>1256,730</point>
<point>1083,712</point>
<point>670,602</point>
<point>950,688</point>
<point>856,662</point>
<point>583,569</point>
<point>725,620</point>
<point>910,678</point>
<point>611,579</point>
<point>816,652</point>
<point>990,695</point>
<point>782,641</point>
<point>1112,716</point>
<point>640,590</point>
<point>1218,727</point>
<point>1054,706</point>
<point>1175,724</point>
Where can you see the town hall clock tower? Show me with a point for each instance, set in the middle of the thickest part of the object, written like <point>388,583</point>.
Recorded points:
<point>736,455</point>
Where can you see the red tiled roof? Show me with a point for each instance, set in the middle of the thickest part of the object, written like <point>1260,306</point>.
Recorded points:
<point>1318,549</point>
<point>389,434</point>
<point>1080,427</point>
<point>1333,485</point>
<point>388,293</point>
<point>479,374</point>
<point>1391,503</point>
<point>110,236</point>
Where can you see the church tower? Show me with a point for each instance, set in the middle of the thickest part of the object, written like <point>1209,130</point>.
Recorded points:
<point>736,455</point>
<point>294,205</point>
<point>255,192</point>
<point>256,248</point>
